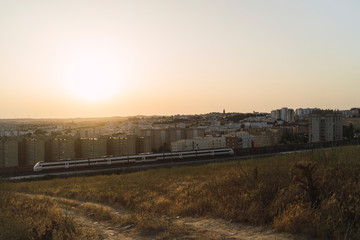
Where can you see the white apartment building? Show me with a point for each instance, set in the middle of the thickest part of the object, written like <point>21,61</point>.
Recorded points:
<point>256,125</point>
<point>304,112</point>
<point>284,114</point>
<point>198,144</point>
<point>325,126</point>
<point>246,137</point>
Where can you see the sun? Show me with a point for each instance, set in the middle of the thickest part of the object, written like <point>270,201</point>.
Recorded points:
<point>91,75</point>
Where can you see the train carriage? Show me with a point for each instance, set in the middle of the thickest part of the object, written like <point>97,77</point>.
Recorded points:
<point>135,159</point>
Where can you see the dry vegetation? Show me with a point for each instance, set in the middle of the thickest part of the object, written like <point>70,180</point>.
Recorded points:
<point>314,193</point>
<point>38,218</point>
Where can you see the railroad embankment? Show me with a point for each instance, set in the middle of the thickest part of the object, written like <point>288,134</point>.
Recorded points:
<point>316,194</point>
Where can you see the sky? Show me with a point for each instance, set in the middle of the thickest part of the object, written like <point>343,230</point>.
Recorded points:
<point>75,58</point>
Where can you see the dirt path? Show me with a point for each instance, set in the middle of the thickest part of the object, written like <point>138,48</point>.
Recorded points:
<point>108,222</point>
<point>226,230</point>
<point>105,230</point>
<point>93,216</point>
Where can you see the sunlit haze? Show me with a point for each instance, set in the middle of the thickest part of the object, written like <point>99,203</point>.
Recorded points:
<point>122,58</point>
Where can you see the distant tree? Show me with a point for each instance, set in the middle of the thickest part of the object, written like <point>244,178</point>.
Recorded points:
<point>241,116</point>
<point>39,132</point>
<point>55,134</point>
<point>289,138</point>
<point>348,132</point>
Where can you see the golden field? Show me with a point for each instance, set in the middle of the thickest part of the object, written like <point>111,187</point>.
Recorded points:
<point>314,193</point>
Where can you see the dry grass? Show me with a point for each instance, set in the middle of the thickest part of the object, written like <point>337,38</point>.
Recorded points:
<point>25,217</point>
<point>316,193</point>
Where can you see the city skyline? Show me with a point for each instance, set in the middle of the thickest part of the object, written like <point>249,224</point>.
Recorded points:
<point>125,58</point>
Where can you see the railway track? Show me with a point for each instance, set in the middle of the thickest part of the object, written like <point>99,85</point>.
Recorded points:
<point>135,167</point>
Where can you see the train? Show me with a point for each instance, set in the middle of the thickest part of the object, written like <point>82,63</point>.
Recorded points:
<point>134,159</point>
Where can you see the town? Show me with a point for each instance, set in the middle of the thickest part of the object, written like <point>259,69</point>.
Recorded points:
<point>24,142</point>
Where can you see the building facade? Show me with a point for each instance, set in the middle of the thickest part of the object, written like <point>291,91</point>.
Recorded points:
<point>302,113</point>
<point>8,152</point>
<point>34,150</point>
<point>90,147</point>
<point>122,146</point>
<point>143,145</point>
<point>198,144</point>
<point>60,148</point>
<point>284,114</point>
<point>325,126</point>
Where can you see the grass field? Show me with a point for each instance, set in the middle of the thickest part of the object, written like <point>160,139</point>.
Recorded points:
<point>315,193</point>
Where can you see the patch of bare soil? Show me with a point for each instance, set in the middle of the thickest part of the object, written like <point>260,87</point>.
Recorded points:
<point>80,212</point>
<point>108,227</point>
<point>221,229</point>
<point>105,230</point>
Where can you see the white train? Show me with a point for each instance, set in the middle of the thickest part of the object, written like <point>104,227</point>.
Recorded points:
<point>142,158</point>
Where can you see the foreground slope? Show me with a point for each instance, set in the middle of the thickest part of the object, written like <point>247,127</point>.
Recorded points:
<point>315,193</point>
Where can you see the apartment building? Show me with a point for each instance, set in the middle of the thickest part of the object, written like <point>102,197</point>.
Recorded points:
<point>302,113</point>
<point>176,134</point>
<point>143,144</point>
<point>284,114</point>
<point>8,152</point>
<point>325,126</point>
<point>90,147</point>
<point>34,150</point>
<point>191,133</point>
<point>122,146</point>
<point>162,138</point>
<point>246,138</point>
<point>265,137</point>
<point>233,142</point>
<point>355,112</point>
<point>60,148</point>
<point>198,144</point>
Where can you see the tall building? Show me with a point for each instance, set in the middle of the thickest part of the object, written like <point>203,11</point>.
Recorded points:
<point>8,152</point>
<point>122,146</point>
<point>276,114</point>
<point>284,114</point>
<point>194,133</point>
<point>355,112</point>
<point>304,112</point>
<point>90,147</point>
<point>60,148</point>
<point>161,139</point>
<point>176,134</point>
<point>325,126</point>
<point>143,144</point>
<point>34,150</point>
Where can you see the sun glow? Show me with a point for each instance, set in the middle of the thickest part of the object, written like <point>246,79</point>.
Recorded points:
<point>92,75</point>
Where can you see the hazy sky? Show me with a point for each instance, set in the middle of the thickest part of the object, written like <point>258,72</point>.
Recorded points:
<point>118,58</point>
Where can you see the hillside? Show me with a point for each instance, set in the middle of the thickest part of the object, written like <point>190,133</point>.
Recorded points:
<point>315,194</point>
